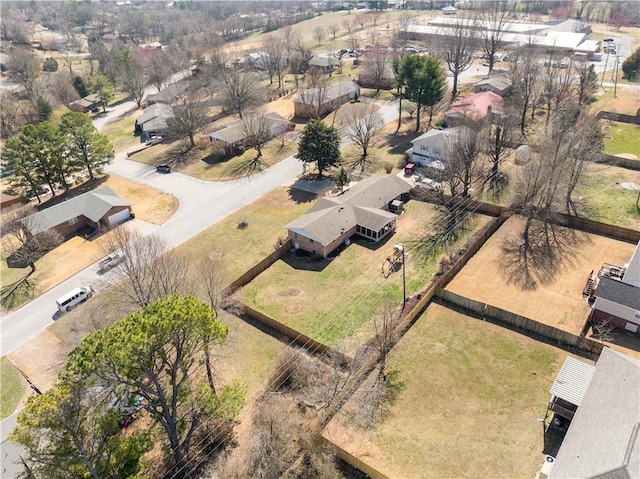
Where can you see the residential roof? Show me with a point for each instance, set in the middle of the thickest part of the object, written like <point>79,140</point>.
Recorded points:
<point>11,453</point>
<point>87,101</point>
<point>170,93</point>
<point>632,274</point>
<point>618,292</point>
<point>602,440</point>
<point>475,106</point>
<point>361,205</point>
<point>154,111</point>
<point>234,132</point>
<point>572,381</point>
<point>312,96</point>
<point>92,205</point>
<point>499,82</point>
<point>322,61</point>
<point>439,139</point>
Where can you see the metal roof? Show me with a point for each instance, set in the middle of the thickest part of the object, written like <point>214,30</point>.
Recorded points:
<point>573,381</point>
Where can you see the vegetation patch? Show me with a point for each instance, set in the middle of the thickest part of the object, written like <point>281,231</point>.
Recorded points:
<point>13,388</point>
<point>622,139</point>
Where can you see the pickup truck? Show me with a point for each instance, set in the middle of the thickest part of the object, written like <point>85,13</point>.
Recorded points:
<point>110,261</point>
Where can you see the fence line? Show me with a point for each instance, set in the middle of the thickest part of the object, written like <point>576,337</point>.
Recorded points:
<point>604,229</point>
<point>355,462</point>
<point>619,117</point>
<point>620,161</point>
<point>566,340</point>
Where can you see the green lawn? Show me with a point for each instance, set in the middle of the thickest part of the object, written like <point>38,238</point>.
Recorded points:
<point>120,132</point>
<point>622,138</point>
<point>12,388</point>
<point>468,396</point>
<point>335,299</point>
<point>605,200</point>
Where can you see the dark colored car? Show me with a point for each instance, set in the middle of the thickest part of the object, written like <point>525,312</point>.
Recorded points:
<point>163,168</point>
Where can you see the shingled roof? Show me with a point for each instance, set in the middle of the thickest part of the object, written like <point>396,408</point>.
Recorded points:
<point>92,205</point>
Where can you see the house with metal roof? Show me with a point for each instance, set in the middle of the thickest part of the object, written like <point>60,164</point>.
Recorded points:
<point>616,295</point>
<point>362,210</point>
<point>315,102</point>
<point>473,108</point>
<point>570,386</point>
<point>100,208</point>
<point>603,438</point>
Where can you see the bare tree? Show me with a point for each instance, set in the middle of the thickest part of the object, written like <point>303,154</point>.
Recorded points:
<point>347,24</point>
<point>525,84</point>
<point>360,19</point>
<point>190,117</point>
<point>556,84</point>
<point>333,29</point>
<point>275,58</point>
<point>493,26</point>
<point>587,84</point>
<point>364,124</point>
<point>158,68</point>
<point>133,77</point>
<point>25,67</point>
<point>459,41</point>
<point>375,15</point>
<point>464,166</point>
<point>61,88</point>
<point>498,141</point>
<point>318,34</point>
<point>377,67</point>
<point>239,89</point>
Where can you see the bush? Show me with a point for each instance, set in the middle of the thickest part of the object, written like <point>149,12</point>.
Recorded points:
<point>50,65</point>
<point>440,124</point>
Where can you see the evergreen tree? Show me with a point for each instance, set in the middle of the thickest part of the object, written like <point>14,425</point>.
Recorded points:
<point>319,144</point>
<point>86,148</point>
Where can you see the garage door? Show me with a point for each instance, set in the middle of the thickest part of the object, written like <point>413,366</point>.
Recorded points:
<point>119,217</point>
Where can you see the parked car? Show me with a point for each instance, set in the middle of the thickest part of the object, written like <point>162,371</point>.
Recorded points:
<point>608,40</point>
<point>610,50</point>
<point>111,261</point>
<point>429,184</point>
<point>153,140</point>
<point>73,298</point>
<point>163,168</point>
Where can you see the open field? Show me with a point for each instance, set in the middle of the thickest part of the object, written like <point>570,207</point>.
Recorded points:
<point>494,277</point>
<point>12,387</point>
<point>334,299</point>
<point>622,139</point>
<point>467,398</point>
<point>77,253</point>
<point>625,100</point>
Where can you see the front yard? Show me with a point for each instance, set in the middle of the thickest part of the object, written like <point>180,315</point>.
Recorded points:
<point>467,398</point>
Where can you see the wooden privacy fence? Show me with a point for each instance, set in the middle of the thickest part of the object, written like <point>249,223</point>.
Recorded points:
<point>355,462</point>
<point>254,271</point>
<point>620,161</point>
<point>590,226</point>
<point>621,117</point>
<point>585,346</point>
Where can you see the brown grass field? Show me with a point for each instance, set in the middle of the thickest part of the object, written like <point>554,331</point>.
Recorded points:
<point>557,298</point>
<point>465,405</point>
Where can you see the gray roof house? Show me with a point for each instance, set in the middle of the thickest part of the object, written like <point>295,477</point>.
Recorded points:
<point>617,296</point>
<point>315,102</point>
<point>431,149</point>
<point>12,454</point>
<point>233,135</point>
<point>362,210</point>
<point>603,439</point>
<point>498,84</point>
<point>170,94</point>
<point>101,207</point>
<point>325,63</point>
<point>154,120</point>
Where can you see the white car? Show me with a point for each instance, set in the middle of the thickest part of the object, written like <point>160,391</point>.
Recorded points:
<point>429,184</point>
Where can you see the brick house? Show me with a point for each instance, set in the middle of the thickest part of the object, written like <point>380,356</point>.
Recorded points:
<point>100,208</point>
<point>362,210</point>
<point>232,136</point>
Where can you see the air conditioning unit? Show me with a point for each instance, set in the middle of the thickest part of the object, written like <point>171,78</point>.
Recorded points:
<point>547,466</point>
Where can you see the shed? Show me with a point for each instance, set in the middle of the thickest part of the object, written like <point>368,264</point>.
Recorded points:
<point>523,155</point>
<point>570,386</point>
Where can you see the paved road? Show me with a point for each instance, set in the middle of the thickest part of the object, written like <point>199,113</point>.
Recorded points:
<point>202,204</point>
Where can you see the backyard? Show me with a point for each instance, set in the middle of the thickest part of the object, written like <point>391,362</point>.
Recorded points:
<point>495,277</point>
<point>622,139</point>
<point>333,300</point>
<point>466,398</point>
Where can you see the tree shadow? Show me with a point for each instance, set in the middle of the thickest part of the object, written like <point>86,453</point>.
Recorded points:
<point>399,143</point>
<point>537,261</point>
<point>250,166</point>
<point>301,196</point>
<point>85,187</point>
<point>302,260</point>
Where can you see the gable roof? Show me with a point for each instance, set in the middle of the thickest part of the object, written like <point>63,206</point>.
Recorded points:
<point>499,82</point>
<point>632,274</point>
<point>361,205</point>
<point>312,96</point>
<point>439,139</point>
<point>92,205</point>
<point>170,93</point>
<point>603,440</point>
<point>475,106</point>
<point>618,292</point>
<point>88,101</point>
<point>234,132</point>
<point>322,61</point>
<point>157,110</point>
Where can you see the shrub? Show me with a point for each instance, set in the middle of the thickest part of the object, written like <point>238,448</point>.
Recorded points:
<point>50,65</point>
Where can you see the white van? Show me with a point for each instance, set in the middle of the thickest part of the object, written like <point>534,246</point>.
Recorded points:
<point>73,297</point>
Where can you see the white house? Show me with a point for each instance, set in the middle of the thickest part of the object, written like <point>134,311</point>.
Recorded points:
<point>431,149</point>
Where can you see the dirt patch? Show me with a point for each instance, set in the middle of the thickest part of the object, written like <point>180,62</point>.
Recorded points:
<point>556,299</point>
<point>40,359</point>
<point>293,309</point>
<point>291,292</point>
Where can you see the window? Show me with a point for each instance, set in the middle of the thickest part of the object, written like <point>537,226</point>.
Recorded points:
<point>73,221</point>
<point>295,235</point>
<point>311,240</point>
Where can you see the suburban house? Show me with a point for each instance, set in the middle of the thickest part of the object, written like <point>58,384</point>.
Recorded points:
<point>474,108</point>
<point>87,103</point>
<point>431,149</point>
<point>257,60</point>
<point>603,439</point>
<point>100,208</point>
<point>154,121</point>
<point>366,80</point>
<point>615,293</point>
<point>498,84</point>
<point>170,94</point>
<point>323,63</point>
<point>233,135</point>
<point>362,210</point>
<point>315,102</point>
